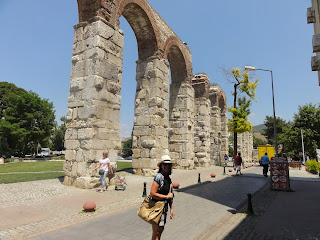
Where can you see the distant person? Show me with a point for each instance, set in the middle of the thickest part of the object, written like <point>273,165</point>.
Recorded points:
<point>104,168</point>
<point>226,158</point>
<point>237,163</point>
<point>265,163</point>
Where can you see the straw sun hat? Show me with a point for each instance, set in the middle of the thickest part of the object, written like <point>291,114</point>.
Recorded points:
<point>166,159</point>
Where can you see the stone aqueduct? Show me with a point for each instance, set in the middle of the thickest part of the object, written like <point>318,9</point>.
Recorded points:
<point>186,118</point>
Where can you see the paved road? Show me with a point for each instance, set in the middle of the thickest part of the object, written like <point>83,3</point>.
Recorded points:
<point>197,208</point>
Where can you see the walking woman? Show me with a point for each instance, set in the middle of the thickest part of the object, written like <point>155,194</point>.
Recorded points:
<point>160,190</point>
<point>104,168</point>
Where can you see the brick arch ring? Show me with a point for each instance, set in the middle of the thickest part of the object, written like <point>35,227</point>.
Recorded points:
<point>175,41</point>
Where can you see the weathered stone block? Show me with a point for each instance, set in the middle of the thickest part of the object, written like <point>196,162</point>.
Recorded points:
<point>86,133</point>
<point>148,143</point>
<point>141,131</point>
<point>136,153</point>
<point>72,144</point>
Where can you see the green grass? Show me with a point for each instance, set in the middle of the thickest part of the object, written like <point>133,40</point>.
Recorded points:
<point>123,165</point>
<point>37,168</point>
<point>32,166</point>
<point>26,177</point>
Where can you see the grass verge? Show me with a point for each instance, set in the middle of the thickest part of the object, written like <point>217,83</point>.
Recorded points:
<point>123,165</point>
<point>32,166</point>
<point>26,177</point>
<point>38,167</point>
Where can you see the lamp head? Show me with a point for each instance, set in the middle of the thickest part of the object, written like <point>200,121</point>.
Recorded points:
<point>249,68</point>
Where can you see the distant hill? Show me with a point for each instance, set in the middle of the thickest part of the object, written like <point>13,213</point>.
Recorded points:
<point>259,128</point>
<point>260,136</point>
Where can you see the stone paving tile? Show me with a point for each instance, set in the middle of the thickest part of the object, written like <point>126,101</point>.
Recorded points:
<point>242,226</point>
<point>197,207</point>
<point>47,195</point>
<point>218,202</point>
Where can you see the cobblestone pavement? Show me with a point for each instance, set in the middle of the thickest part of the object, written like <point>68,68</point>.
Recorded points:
<point>31,207</point>
<point>197,207</point>
<point>216,215</point>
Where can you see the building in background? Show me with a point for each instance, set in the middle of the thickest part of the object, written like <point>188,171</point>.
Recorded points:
<point>314,17</point>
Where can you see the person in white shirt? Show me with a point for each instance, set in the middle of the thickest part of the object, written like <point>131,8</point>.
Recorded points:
<point>104,168</point>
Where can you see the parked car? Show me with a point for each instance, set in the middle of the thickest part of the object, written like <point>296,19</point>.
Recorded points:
<point>45,152</point>
<point>120,158</point>
<point>128,158</point>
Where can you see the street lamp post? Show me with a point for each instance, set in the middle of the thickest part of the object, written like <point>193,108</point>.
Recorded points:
<point>250,68</point>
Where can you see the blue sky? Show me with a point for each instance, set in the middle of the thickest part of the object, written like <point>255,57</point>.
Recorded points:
<point>37,36</point>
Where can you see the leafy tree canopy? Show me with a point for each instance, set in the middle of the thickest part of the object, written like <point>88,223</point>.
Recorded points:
<point>240,110</point>
<point>26,120</point>
<point>57,138</point>
<point>127,148</point>
<point>269,130</point>
<point>308,120</point>
<point>238,122</point>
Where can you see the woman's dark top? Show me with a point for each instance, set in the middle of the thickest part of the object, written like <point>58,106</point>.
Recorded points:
<point>164,183</point>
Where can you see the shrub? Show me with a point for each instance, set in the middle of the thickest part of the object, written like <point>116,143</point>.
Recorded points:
<point>7,160</point>
<point>313,165</point>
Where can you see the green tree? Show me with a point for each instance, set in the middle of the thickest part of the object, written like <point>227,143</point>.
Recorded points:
<point>127,148</point>
<point>257,141</point>
<point>230,145</point>
<point>57,138</point>
<point>308,120</point>
<point>26,120</point>
<point>240,110</point>
<point>269,130</point>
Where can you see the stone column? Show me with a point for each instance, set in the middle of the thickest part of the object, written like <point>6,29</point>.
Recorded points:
<point>224,134</point>
<point>93,118</point>
<point>181,122</point>
<point>202,106</point>
<point>150,132</point>
<point>215,140</point>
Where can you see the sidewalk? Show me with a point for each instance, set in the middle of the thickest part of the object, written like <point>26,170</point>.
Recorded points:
<point>203,211</point>
<point>197,207</point>
<point>278,215</point>
<point>39,206</point>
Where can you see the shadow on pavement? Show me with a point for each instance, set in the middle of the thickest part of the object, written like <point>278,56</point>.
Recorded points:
<point>282,215</point>
<point>230,191</point>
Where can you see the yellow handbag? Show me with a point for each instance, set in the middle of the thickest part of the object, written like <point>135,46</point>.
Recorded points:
<point>151,210</point>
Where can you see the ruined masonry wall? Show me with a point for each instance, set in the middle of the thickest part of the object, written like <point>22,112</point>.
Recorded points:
<point>94,101</point>
<point>245,145</point>
<point>181,125</point>
<point>202,132</point>
<point>150,131</point>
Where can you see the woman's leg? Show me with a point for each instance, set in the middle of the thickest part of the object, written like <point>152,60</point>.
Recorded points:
<point>102,183</point>
<point>104,180</point>
<point>156,232</point>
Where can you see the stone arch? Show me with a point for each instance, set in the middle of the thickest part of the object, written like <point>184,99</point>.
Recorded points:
<point>174,52</point>
<point>222,102</point>
<point>138,14</point>
<point>181,102</point>
<point>93,118</point>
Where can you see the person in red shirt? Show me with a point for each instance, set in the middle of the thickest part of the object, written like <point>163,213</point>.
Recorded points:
<point>237,163</point>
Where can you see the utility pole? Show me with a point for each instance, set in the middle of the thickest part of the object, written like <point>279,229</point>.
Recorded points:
<point>304,160</point>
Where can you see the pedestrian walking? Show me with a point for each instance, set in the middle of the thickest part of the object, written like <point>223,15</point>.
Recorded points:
<point>226,159</point>
<point>160,191</point>
<point>265,164</point>
<point>104,168</point>
<point>237,163</point>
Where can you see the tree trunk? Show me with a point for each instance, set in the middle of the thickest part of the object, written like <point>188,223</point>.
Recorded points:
<point>235,134</point>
